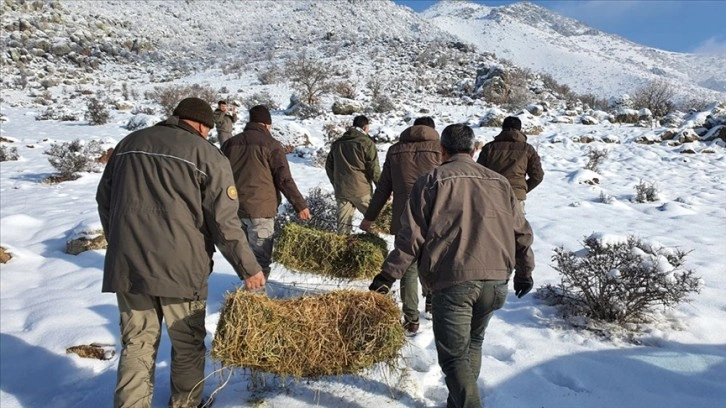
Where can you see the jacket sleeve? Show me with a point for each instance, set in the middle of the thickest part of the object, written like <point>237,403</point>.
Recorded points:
<point>373,168</point>
<point>482,159</point>
<point>534,170</point>
<point>523,237</point>
<point>218,116</point>
<point>384,188</point>
<point>234,117</point>
<point>103,194</point>
<point>329,166</point>
<point>219,200</point>
<point>414,227</point>
<point>283,179</point>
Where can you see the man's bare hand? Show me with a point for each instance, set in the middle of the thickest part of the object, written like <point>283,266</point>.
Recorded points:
<point>304,214</point>
<point>257,281</point>
<point>365,225</point>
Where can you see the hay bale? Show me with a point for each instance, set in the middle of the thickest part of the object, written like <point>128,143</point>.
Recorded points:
<point>341,332</point>
<point>384,219</point>
<point>358,256</point>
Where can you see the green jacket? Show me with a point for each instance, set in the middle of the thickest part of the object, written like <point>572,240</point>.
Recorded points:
<point>352,165</point>
<point>165,199</point>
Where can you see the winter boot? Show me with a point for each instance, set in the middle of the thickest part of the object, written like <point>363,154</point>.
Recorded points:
<point>410,326</point>
<point>427,309</point>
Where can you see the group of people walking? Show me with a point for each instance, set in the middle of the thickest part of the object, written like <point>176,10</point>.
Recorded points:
<point>167,197</point>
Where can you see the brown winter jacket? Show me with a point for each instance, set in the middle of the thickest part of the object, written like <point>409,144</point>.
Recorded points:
<point>416,152</point>
<point>352,165</point>
<point>165,199</point>
<point>261,172</point>
<point>462,223</point>
<point>223,121</point>
<point>511,156</point>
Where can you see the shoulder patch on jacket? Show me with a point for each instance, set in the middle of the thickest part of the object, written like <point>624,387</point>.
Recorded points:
<point>232,192</point>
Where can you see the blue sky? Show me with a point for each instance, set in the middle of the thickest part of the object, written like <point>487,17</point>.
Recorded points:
<point>684,26</point>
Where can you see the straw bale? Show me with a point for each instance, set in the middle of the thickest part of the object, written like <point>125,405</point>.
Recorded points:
<point>341,332</point>
<point>384,219</point>
<point>358,256</point>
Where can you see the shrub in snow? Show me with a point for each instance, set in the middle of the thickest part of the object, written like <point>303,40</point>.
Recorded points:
<point>140,121</point>
<point>310,77</point>
<point>261,98</point>
<point>97,113</point>
<point>646,192</point>
<point>345,89</point>
<point>382,104</point>
<point>170,96</point>
<point>71,158</point>
<point>322,205</point>
<point>595,158</point>
<point>8,154</point>
<point>606,198</point>
<point>656,96</point>
<point>619,282</point>
<point>51,113</point>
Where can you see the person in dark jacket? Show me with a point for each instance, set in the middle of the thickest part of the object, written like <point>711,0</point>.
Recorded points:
<point>165,199</point>
<point>260,167</point>
<point>465,229</point>
<point>511,156</point>
<point>352,168</point>
<point>225,119</point>
<point>416,152</point>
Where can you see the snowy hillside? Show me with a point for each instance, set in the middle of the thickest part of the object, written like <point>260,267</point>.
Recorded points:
<point>588,60</point>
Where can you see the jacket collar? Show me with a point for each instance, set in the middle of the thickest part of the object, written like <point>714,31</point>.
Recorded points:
<point>459,157</point>
<point>418,133</point>
<point>174,121</point>
<point>257,127</point>
<point>511,135</point>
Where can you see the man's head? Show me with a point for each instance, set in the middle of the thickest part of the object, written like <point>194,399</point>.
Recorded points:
<point>361,122</point>
<point>260,114</point>
<point>425,121</point>
<point>457,138</point>
<point>512,122</point>
<point>222,105</point>
<point>196,112</point>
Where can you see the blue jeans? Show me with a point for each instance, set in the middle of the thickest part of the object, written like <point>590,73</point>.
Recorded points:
<point>461,314</point>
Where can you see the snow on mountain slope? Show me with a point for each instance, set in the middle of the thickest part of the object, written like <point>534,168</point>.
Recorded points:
<point>588,60</point>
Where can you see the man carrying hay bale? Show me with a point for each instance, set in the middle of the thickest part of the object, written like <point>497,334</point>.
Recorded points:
<point>352,168</point>
<point>416,152</point>
<point>165,199</point>
<point>261,173</point>
<point>465,227</point>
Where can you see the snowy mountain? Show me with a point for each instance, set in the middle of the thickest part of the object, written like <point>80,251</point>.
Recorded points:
<point>588,60</point>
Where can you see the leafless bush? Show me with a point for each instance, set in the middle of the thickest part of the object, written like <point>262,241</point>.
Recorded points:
<point>311,78</point>
<point>551,83</point>
<point>170,96</point>
<point>593,101</point>
<point>8,154</point>
<point>657,96</point>
<point>261,98</point>
<point>519,95</point>
<point>345,89</point>
<point>97,112</point>
<point>620,282</point>
<point>646,192</point>
<point>71,158</point>
<point>376,86</point>
<point>269,75</point>
<point>595,158</point>
<point>694,104</point>
<point>322,206</point>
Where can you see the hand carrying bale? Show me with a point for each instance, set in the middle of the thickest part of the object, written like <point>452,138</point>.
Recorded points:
<point>341,332</point>
<point>358,256</point>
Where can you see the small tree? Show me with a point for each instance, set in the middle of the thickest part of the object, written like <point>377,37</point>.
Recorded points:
<point>646,192</point>
<point>71,158</point>
<point>621,282</point>
<point>8,154</point>
<point>311,78</point>
<point>595,158</point>
<point>657,96</point>
<point>97,113</point>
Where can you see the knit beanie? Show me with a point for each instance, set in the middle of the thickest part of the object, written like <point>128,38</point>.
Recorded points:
<point>512,122</point>
<point>197,110</point>
<point>260,114</point>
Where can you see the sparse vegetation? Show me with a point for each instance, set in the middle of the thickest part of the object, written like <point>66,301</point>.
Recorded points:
<point>310,77</point>
<point>71,158</point>
<point>645,192</point>
<point>261,98</point>
<point>595,157</point>
<point>8,153</point>
<point>170,96</point>
<point>619,282</point>
<point>657,96</point>
<point>97,113</point>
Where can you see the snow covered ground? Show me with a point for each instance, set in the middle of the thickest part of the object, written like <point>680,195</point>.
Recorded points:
<point>51,300</point>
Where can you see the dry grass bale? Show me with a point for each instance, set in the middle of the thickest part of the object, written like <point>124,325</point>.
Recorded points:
<point>5,256</point>
<point>341,332</point>
<point>358,256</point>
<point>93,350</point>
<point>76,246</point>
<point>383,222</point>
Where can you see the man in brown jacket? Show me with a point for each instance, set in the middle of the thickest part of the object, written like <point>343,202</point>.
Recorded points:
<point>465,229</point>
<point>511,156</point>
<point>352,168</point>
<point>225,119</point>
<point>165,199</point>
<point>261,173</point>
<point>416,153</point>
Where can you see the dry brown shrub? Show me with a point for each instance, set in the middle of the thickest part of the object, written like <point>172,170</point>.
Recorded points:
<point>341,332</point>
<point>93,350</point>
<point>76,246</point>
<point>358,256</point>
<point>5,256</point>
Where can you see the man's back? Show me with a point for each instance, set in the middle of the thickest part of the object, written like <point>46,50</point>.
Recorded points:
<point>511,156</point>
<point>352,165</point>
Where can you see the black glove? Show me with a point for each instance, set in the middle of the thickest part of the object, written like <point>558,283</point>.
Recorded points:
<point>381,284</point>
<point>522,286</point>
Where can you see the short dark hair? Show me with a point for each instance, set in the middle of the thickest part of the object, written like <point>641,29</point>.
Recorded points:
<point>360,121</point>
<point>457,138</point>
<point>221,103</point>
<point>425,121</point>
<point>512,122</point>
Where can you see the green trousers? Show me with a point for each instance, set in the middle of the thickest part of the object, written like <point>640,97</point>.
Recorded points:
<point>141,317</point>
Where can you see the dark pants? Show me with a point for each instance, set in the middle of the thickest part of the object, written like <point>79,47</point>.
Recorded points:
<point>461,314</point>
